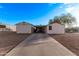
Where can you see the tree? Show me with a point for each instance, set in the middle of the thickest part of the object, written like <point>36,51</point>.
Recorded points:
<point>50,21</point>
<point>67,19</point>
<point>56,19</point>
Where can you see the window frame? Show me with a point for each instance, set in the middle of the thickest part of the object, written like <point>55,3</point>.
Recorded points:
<point>50,27</point>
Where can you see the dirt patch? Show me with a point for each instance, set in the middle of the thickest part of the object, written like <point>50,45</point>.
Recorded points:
<point>8,40</point>
<point>69,40</point>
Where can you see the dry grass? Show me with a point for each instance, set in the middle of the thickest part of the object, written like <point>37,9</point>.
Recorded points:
<point>69,40</point>
<point>8,40</point>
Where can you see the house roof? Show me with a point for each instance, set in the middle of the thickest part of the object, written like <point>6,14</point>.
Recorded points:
<point>23,23</point>
<point>56,21</point>
<point>53,23</point>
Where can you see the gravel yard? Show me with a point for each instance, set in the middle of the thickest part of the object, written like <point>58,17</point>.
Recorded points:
<point>69,40</point>
<point>8,40</point>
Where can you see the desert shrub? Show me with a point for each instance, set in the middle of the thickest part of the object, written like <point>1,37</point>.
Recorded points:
<point>71,30</point>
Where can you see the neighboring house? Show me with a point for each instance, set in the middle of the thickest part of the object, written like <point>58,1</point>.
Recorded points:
<point>2,27</point>
<point>55,28</point>
<point>11,28</point>
<point>24,27</point>
<point>7,28</point>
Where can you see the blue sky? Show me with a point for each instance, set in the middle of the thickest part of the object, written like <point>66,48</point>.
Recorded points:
<point>35,13</point>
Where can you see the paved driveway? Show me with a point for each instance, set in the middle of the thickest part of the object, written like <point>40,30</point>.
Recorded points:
<point>40,45</point>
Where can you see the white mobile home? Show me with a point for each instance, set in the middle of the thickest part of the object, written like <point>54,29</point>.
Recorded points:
<point>55,28</point>
<point>24,27</point>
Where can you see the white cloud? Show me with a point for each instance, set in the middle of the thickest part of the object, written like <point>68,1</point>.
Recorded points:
<point>69,9</point>
<point>66,5</point>
<point>74,10</point>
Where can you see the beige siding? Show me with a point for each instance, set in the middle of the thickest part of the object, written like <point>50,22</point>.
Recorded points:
<point>56,29</point>
<point>23,28</point>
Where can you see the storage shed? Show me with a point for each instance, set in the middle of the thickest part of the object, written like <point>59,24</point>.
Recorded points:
<point>24,27</point>
<point>55,28</point>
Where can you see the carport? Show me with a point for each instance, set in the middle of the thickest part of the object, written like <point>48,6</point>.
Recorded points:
<point>40,29</point>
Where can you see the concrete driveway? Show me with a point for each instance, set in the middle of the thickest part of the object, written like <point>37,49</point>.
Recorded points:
<point>40,45</point>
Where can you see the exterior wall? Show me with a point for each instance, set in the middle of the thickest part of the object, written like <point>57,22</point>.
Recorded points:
<point>56,29</point>
<point>32,29</point>
<point>23,28</point>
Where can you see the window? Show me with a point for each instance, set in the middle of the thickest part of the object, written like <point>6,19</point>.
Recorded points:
<point>50,27</point>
